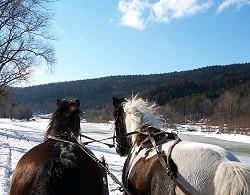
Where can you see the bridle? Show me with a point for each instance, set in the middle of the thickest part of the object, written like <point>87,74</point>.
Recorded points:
<point>122,140</point>
<point>153,144</point>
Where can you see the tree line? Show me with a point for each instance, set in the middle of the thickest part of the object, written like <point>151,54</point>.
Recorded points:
<point>191,95</point>
<point>230,111</point>
<point>16,111</point>
<point>215,93</point>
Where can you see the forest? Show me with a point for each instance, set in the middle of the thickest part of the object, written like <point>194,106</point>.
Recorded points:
<point>215,95</point>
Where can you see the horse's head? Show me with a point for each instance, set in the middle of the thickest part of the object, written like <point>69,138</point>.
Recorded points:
<point>133,115</point>
<point>123,143</point>
<point>65,120</point>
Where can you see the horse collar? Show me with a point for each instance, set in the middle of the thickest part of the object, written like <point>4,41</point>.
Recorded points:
<point>158,143</point>
<point>155,135</point>
<point>66,134</point>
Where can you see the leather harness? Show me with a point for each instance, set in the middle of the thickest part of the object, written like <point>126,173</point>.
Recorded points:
<point>166,165</point>
<point>153,143</point>
<point>82,147</point>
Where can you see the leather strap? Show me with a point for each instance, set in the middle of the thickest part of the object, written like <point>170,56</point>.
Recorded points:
<point>81,145</point>
<point>167,165</point>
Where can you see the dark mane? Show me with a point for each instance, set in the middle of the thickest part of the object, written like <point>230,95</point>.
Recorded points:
<point>65,120</point>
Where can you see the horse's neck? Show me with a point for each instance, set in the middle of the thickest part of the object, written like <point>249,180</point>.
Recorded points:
<point>56,124</point>
<point>57,127</point>
<point>134,122</point>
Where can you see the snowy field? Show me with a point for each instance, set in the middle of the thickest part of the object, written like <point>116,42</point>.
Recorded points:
<point>17,137</point>
<point>197,130</point>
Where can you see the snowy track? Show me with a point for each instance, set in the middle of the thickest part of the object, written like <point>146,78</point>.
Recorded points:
<point>15,140</point>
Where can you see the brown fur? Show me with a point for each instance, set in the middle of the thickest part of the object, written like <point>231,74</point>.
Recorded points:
<point>57,167</point>
<point>149,177</point>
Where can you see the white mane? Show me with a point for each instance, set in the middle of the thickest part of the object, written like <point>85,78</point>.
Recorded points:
<point>138,113</point>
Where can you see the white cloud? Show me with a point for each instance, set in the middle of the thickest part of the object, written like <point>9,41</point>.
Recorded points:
<point>229,3</point>
<point>132,13</point>
<point>166,10</point>
<point>138,13</point>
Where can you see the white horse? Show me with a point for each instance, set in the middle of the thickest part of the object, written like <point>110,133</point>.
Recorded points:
<point>157,163</point>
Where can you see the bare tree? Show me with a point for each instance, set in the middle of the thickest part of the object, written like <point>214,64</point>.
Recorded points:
<point>245,106</point>
<point>227,107</point>
<point>24,40</point>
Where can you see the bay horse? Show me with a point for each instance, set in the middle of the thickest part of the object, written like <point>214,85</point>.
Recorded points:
<point>61,165</point>
<point>161,163</point>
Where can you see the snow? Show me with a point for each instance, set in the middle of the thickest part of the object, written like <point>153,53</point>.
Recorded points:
<point>17,137</point>
<point>197,130</point>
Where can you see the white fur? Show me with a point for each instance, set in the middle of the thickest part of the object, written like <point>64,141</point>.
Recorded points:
<point>232,178</point>
<point>139,113</point>
<point>202,168</point>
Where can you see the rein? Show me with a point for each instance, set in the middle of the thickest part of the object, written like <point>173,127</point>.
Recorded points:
<point>113,137</point>
<point>81,145</point>
<point>150,137</point>
<point>167,165</point>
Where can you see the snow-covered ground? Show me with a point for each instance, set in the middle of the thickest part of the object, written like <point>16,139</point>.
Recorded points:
<point>197,130</point>
<point>17,137</point>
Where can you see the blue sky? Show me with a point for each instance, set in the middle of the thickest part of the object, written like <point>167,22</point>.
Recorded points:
<point>130,37</point>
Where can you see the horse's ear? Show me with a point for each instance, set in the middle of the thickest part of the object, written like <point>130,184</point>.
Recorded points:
<point>115,101</point>
<point>59,102</point>
<point>78,102</point>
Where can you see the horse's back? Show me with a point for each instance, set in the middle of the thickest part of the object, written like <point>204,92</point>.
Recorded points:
<point>27,167</point>
<point>54,168</point>
<point>196,165</point>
